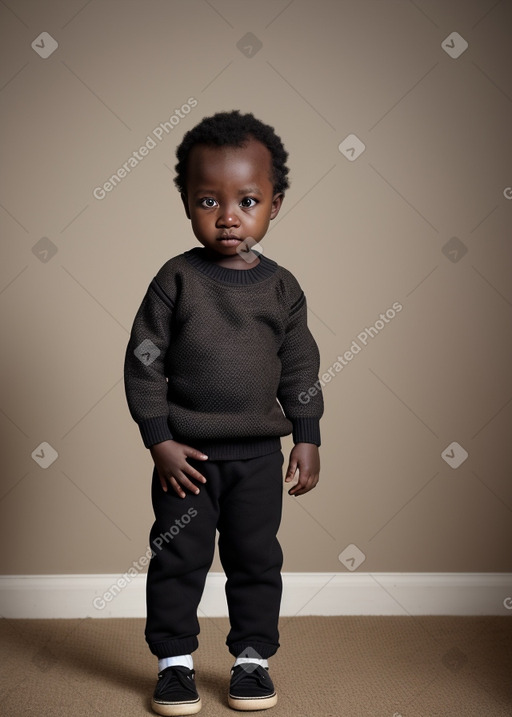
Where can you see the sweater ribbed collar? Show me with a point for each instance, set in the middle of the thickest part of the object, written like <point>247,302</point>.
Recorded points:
<point>263,270</point>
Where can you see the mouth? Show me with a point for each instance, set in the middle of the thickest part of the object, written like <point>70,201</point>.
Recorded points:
<point>229,240</point>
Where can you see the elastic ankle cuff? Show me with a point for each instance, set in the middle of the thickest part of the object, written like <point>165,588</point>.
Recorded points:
<point>263,649</point>
<point>171,648</point>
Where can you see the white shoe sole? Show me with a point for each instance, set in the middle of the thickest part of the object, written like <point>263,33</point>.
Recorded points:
<point>250,704</point>
<point>176,709</point>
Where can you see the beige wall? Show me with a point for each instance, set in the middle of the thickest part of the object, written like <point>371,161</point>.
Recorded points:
<point>360,235</point>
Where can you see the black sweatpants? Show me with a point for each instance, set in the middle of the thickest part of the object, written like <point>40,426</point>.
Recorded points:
<point>242,499</point>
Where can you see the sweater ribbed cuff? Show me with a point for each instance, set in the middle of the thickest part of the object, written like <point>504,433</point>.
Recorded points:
<point>306,430</point>
<point>155,430</point>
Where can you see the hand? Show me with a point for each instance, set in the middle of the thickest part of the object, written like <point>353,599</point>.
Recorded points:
<point>306,458</point>
<point>170,460</point>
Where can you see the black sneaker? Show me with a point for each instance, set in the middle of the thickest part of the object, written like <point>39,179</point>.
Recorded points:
<point>251,688</point>
<point>175,692</point>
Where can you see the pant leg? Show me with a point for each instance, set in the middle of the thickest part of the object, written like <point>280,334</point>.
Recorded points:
<point>182,540</point>
<point>250,515</point>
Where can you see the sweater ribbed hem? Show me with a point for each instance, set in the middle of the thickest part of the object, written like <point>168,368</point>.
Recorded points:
<point>155,430</point>
<point>306,430</point>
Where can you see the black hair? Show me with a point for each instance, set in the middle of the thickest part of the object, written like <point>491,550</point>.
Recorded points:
<point>233,129</point>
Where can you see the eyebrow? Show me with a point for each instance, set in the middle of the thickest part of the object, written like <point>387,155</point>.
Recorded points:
<point>241,192</point>
<point>250,190</point>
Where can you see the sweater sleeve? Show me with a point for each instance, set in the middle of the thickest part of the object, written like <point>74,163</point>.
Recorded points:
<point>144,367</point>
<point>299,390</point>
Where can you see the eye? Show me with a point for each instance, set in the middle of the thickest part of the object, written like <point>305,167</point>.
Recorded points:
<point>246,202</point>
<point>208,202</point>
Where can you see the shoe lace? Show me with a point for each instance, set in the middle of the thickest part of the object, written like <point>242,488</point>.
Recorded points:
<point>258,675</point>
<point>174,676</point>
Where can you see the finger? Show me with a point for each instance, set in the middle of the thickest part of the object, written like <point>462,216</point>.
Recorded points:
<point>304,485</point>
<point>176,487</point>
<point>295,490</point>
<point>185,483</point>
<point>301,479</point>
<point>179,482</point>
<point>194,474</point>
<point>309,486</point>
<point>163,483</point>
<point>190,470</point>
<point>292,467</point>
<point>194,453</point>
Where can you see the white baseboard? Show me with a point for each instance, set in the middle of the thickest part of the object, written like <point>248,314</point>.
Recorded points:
<point>101,596</point>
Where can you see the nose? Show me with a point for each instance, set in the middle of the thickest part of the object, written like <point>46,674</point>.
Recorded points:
<point>228,217</point>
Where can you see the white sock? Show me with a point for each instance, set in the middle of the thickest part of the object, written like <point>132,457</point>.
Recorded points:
<point>254,660</point>
<point>182,660</point>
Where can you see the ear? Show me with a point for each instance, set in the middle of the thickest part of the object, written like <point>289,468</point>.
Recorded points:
<point>277,201</point>
<point>184,199</point>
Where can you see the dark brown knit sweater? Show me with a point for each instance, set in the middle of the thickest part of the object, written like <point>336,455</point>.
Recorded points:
<point>218,358</point>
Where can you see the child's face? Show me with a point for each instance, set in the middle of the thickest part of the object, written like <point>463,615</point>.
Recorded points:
<point>230,196</point>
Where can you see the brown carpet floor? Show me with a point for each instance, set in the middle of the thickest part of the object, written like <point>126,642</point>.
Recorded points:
<point>326,667</point>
